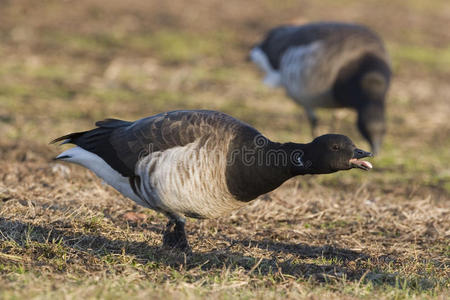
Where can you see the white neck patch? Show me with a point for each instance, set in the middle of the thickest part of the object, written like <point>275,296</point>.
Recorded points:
<point>299,161</point>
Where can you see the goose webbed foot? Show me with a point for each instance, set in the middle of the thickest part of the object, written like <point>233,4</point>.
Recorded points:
<point>174,236</point>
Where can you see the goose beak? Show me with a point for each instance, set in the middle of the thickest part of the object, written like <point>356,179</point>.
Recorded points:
<point>355,161</point>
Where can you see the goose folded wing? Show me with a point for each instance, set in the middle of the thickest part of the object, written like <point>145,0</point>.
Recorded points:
<point>121,144</point>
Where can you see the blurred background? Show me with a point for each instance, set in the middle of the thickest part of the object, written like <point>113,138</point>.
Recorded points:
<point>66,64</point>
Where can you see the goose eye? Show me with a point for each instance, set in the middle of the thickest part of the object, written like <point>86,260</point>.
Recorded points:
<point>335,147</point>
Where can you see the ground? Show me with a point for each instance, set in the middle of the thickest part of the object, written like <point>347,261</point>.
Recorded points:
<point>63,234</point>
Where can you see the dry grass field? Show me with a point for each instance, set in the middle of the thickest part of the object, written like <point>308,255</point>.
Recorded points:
<point>382,234</point>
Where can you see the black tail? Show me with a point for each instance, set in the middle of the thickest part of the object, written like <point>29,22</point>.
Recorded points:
<point>69,138</point>
<point>102,126</point>
<point>97,141</point>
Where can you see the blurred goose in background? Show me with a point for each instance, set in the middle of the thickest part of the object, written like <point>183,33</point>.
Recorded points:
<point>200,164</point>
<point>330,65</point>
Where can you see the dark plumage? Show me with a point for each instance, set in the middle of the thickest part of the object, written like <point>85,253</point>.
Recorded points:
<point>330,65</point>
<point>200,164</point>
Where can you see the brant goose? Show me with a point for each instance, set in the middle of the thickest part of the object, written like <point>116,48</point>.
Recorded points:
<point>330,65</point>
<point>199,163</point>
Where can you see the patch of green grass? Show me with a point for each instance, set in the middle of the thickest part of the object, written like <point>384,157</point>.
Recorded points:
<point>95,43</point>
<point>15,91</point>
<point>176,46</point>
<point>334,224</point>
<point>435,59</point>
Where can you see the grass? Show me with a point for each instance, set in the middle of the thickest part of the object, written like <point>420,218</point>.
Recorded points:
<point>431,58</point>
<point>63,234</point>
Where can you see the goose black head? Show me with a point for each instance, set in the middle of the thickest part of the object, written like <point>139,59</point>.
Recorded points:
<point>371,119</point>
<point>334,152</point>
<point>372,125</point>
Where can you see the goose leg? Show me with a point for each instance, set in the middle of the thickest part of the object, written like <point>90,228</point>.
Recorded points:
<point>174,236</point>
<point>312,120</point>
